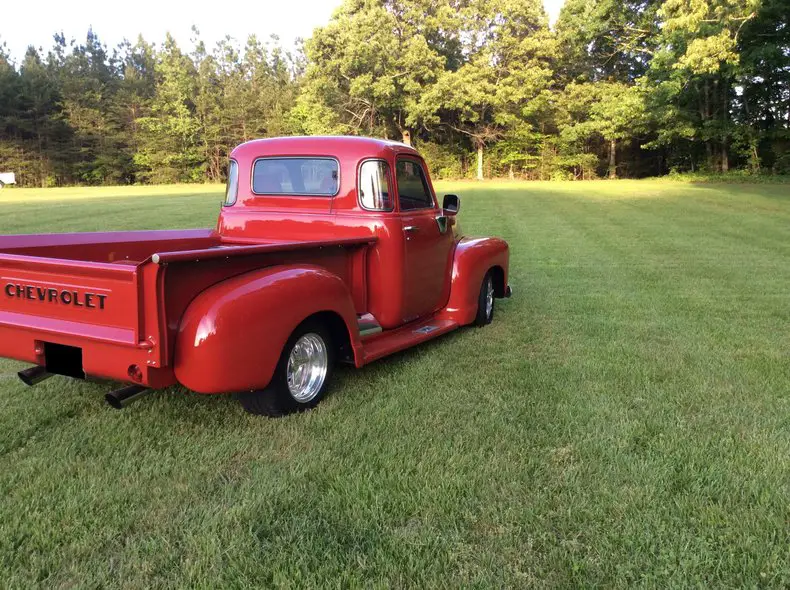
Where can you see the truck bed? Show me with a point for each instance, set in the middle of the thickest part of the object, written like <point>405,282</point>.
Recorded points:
<point>114,300</point>
<point>128,247</point>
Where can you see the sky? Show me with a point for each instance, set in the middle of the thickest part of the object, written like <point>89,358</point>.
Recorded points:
<point>23,24</point>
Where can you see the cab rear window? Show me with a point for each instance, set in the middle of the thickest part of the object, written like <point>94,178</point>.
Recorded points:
<point>296,176</point>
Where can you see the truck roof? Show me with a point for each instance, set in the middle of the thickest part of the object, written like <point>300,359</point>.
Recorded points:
<point>330,145</point>
<point>346,150</point>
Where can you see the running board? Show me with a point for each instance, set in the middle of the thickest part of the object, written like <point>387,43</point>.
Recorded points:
<point>391,341</point>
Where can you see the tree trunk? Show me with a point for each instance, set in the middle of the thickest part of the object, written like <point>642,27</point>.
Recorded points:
<point>510,172</point>
<point>725,117</point>
<point>480,161</point>
<point>725,161</point>
<point>612,159</point>
<point>755,163</point>
<point>705,116</point>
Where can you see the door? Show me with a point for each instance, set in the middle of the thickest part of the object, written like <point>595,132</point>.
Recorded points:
<point>428,242</point>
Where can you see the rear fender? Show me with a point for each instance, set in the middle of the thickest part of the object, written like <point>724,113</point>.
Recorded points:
<point>473,258</point>
<point>231,336</point>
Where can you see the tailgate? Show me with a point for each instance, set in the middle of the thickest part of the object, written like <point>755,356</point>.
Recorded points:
<point>90,300</point>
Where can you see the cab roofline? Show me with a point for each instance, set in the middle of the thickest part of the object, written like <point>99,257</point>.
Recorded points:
<point>329,145</point>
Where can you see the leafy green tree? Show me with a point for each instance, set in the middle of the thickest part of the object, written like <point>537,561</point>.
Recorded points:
<point>606,39</point>
<point>368,68</point>
<point>242,95</point>
<point>615,112</point>
<point>208,105</point>
<point>508,49</point>
<point>169,148</point>
<point>43,135</point>
<point>763,106</point>
<point>9,88</point>
<point>693,73</point>
<point>624,88</point>
<point>10,94</point>
<point>88,79</point>
<point>133,98</point>
<point>267,87</point>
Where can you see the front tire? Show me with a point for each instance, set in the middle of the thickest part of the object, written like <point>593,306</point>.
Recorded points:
<point>302,376</point>
<point>485,301</point>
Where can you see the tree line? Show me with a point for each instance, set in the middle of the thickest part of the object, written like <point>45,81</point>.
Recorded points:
<point>483,88</point>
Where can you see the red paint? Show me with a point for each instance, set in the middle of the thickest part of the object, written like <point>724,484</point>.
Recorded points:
<point>212,309</point>
<point>228,342</point>
<point>473,258</point>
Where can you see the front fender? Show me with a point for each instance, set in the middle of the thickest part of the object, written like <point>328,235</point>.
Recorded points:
<point>473,258</point>
<point>231,336</point>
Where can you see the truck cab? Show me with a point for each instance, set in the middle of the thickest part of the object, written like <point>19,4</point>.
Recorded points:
<point>327,249</point>
<point>325,188</point>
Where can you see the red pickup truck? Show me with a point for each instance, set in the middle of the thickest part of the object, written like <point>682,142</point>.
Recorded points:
<point>327,249</point>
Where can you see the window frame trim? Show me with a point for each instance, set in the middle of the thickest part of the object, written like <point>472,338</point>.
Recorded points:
<point>296,195</point>
<point>424,167</point>
<point>390,179</point>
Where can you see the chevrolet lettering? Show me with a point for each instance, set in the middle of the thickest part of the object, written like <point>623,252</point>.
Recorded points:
<point>327,250</point>
<point>58,296</point>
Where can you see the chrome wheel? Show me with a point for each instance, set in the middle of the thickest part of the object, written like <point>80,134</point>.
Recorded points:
<point>489,297</point>
<point>308,363</point>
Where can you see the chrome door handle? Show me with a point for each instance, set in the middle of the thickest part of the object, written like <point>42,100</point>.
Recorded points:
<point>411,228</point>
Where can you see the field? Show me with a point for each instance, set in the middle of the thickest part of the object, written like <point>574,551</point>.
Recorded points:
<point>625,420</point>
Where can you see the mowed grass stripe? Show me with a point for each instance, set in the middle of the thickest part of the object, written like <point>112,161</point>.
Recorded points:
<point>669,298</point>
<point>624,420</point>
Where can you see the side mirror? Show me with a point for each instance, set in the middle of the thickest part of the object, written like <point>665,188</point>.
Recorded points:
<point>451,204</point>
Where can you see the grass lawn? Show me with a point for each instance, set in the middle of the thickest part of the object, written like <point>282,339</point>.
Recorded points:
<point>625,420</point>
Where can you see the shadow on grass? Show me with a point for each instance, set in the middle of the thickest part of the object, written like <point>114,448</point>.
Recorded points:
<point>179,403</point>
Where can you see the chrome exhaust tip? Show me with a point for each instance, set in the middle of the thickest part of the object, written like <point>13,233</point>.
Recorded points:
<point>34,375</point>
<point>121,398</point>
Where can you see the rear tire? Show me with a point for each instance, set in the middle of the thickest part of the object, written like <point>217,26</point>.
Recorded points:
<point>302,376</point>
<point>485,301</point>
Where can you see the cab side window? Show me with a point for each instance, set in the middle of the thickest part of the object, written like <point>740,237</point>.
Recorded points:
<point>232,190</point>
<point>374,186</point>
<point>413,189</point>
